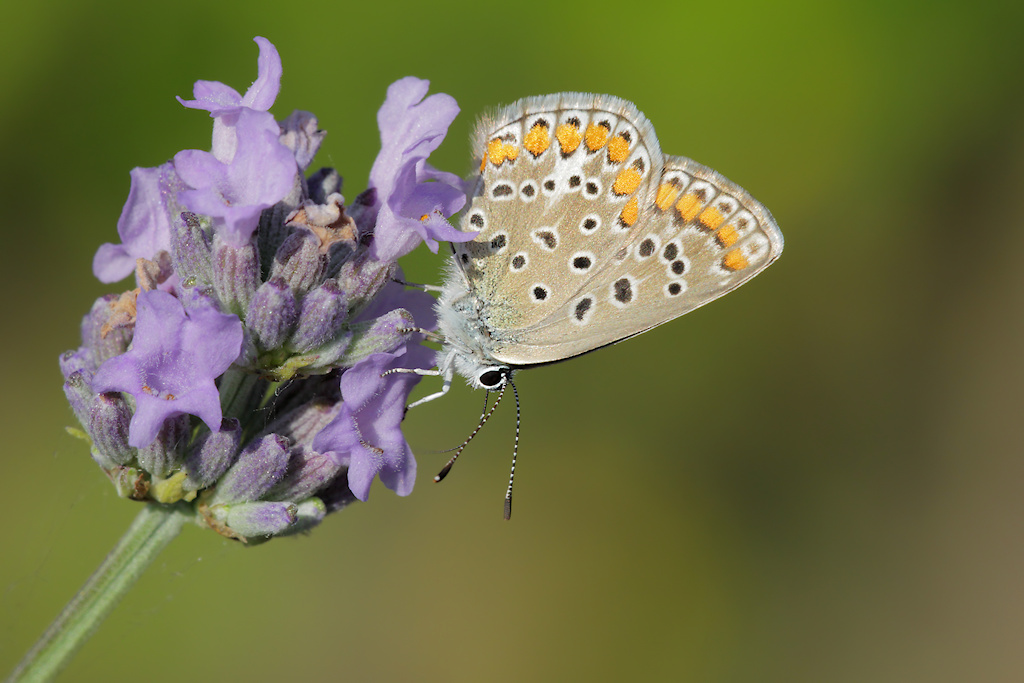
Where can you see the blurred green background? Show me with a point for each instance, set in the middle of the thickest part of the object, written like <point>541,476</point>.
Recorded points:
<point>816,478</point>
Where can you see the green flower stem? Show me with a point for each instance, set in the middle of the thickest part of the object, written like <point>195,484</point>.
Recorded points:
<point>153,528</point>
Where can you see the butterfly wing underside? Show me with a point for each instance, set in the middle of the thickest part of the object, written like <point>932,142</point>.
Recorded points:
<point>589,235</point>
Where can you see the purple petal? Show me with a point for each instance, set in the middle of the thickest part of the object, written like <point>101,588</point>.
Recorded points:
<point>217,98</point>
<point>407,189</point>
<point>367,432</point>
<point>212,96</point>
<point>144,225</point>
<point>263,91</point>
<point>112,262</point>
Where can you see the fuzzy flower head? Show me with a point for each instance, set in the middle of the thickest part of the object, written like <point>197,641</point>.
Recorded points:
<point>248,373</point>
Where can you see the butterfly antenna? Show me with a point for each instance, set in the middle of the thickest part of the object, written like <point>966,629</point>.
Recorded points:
<point>458,451</point>
<point>515,451</point>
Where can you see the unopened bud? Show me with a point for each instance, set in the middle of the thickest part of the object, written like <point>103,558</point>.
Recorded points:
<point>211,455</point>
<point>323,312</point>
<point>108,427</point>
<point>258,468</point>
<point>236,274</point>
<point>260,518</point>
<point>167,451</point>
<point>308,472</point>
<point>272,314</point>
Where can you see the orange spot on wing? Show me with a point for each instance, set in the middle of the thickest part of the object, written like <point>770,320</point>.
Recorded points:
<point>627,181</point>
<point>689,206</point>
<point>569,137</point>
<point>712,218</point>
<point>630,212</point>
<point>537,140</point>
<point>727,236</point>
<point>498,151</point>
<point>735,260</point>
<point>495,151</point>
<point>618,149</point>
<point>667,193</point>
<point>596,136</point>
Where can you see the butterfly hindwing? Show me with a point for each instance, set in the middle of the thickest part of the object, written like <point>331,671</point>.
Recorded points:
<point>701,237</point>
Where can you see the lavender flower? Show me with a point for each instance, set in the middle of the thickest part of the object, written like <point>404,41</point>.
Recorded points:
<point>412,198</point>
<point>170,369</point>
<point>367,433</point>
<point>246,373</point>
<point>144,225</point>
<point>259,173</point>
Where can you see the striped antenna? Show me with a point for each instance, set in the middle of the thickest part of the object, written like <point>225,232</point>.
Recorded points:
<point>483,420</point>
<point>515,451</point>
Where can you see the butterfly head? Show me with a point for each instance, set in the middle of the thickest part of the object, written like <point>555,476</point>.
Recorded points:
<point>492,378</point>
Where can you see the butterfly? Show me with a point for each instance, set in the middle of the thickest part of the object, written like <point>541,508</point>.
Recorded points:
<point>588,235</point>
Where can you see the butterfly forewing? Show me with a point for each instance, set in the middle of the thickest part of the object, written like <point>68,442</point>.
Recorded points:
<point>588,235</point>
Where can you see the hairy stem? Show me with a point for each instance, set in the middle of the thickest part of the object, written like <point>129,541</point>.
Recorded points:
<point>154,527</point>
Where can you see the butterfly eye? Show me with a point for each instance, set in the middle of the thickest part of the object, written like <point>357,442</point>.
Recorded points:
<point>491,378</point>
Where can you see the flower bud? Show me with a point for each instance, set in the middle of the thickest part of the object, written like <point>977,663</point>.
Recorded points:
<point>191,249</point>
<point>272,314</point>
<point>78,390</point>
<point>310,512</point>
<point>308,472</point>
<point>301,424</point>
<point>74,361</point>
<point>108,427</point>
<point>364,210</point>
<point>259,467</point>
<point>236,274</point>
<point>259,518</point>
<point>299,262</point>
<point>211,455</point>
<point>167,450</point>
<point>114,342</point>
<point>361,277</point>
<point>381,335</point>
<point>302,135</point>
<point>323,312</point>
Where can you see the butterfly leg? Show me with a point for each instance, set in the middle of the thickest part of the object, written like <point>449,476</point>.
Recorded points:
<point>444,389</point>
